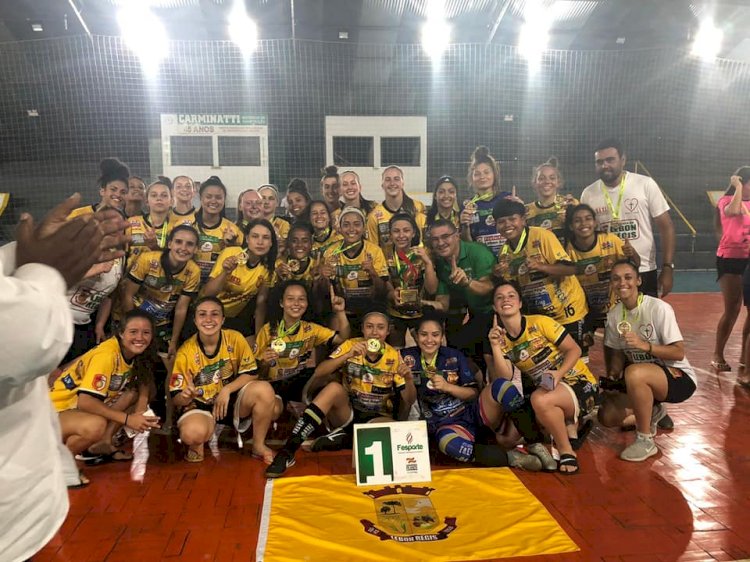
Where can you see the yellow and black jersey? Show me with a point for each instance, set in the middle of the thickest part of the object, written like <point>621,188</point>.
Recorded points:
<point>377,222</point>
<point>300,344</point>
<point>593,268</point>
<point>211,244</point>
<point>371,385</point>
<point>301,270</point>
<point>535,351</point>
<point>157,295</point>
<point>550,217</point>
<point>321,243</point>
<point>351,276</point>
<point>406,272</point>
<point>177,219</point>
<point>82,211</point>
<point>101,372</point>
<point>210,373</point>
<point>560,298</point>
<point>242,284</point>
<point>137,228</point>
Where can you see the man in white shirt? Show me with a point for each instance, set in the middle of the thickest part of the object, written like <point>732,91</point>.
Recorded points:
<point>625,204</point>
<point>36,329</point>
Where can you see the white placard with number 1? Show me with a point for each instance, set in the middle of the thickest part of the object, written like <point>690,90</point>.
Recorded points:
<point>391,453</point>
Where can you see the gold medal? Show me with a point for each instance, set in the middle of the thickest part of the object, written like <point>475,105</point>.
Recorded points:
<point>293,265</point>
<point>278,345</point>
<point>242,258</point>
<point>623,327</point>
<point>373,345</point>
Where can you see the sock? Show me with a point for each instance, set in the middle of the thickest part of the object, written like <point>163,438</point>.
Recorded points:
<point>312,419</point>
<point>506,394</point>
<point>490,455</point>
<point>456,442</point>
<point>646,436</point>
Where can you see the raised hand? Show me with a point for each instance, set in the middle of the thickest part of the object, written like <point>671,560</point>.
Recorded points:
<point>230,264</point>
<point>458,276</point>
<point>338,304</point>
<point>497,332</point>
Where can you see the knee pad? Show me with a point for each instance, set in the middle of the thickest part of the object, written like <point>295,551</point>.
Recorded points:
<point>456,442</point>
<point>506,394</point>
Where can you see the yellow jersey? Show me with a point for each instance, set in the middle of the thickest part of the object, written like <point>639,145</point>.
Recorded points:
<point>177,219</point>
<point>101,372</point>
<point>377,222</point>
<point>299,348</point>
<point>561,298</point>
<point>137,228</point>
<point>351,276</point>
<point>593,268</point>
<point>371,385</point>
<point>320,245</point>
<point>281,226</point>
<point>81,211</point>
<point>211,244</point>
<point>551,217</point>
<point>535,351</point>
<point>242,284</point>
<point>157,295</point>
<point>209,374</point>
<point>407,275</point>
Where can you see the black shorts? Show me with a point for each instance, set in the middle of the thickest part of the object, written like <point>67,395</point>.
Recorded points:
<point>733,266</point>
<point>650,283</point>
<point>680,386</point>
<point>577,331</point>
<point>291,389</point>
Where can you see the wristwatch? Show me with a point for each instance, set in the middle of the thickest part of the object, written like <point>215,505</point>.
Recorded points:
<point>669,265</point>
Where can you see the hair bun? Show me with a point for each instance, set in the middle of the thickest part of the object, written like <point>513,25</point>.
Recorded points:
<point>112,167</point>
<point>297,184</point>
<point>552,161</point>
<point>330,171</point>
<point>481,152</point>
<point>165,180</point>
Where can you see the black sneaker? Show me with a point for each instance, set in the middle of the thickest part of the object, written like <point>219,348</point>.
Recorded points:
<point>283,460</point>
<point>335,441</point>
<point>665,423</point>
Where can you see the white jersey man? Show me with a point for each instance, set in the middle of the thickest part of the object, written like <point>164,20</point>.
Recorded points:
<point>625,204</point>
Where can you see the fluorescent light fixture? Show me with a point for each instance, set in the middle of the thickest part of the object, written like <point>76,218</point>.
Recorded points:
<point>144,34</point>
<point>707,43</point>
<point>436,36</point>
<point>343,35</point>
<point>37,27</point>
<point>534,33</point>
<point>242,29</point>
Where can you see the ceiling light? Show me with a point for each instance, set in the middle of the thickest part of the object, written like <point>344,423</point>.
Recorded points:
<point>534,33</point>
<point>343,35</point>
<point>707,43</point>
<point>144,34</point>
<point>37,27</point>
<point>242,29</point>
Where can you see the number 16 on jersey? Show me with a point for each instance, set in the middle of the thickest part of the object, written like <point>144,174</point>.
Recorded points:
<point>391,453</point>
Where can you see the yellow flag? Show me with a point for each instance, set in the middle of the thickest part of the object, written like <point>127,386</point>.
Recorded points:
<point>463,514</point>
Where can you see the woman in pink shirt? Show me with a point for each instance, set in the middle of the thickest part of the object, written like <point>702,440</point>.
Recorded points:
<point>731,263</point>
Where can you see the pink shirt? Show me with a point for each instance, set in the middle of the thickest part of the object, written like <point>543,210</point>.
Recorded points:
<point>735,238</point>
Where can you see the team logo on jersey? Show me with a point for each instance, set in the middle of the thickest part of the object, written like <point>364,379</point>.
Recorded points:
<point>490,220</point>
<point>631,204</point>
<point>100,382</point>
<point>68,383</point>
<point>409,360</point>
<point>546,223</point>
<point>153,264</point>
<point>293,353</point>
<point>523,355</point>
<point>647,331</point>
<point>176,381</point>
<point>590,269</point>
<point>368,378</point>
<point>352,275</point>
<point>207,247</point>
<point>406,514</point>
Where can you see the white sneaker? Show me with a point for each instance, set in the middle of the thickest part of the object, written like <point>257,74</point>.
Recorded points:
<point>642,448</point>
<point>658,413</point>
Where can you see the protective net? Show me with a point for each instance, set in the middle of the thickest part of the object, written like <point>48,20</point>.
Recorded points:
<point>67,103</point>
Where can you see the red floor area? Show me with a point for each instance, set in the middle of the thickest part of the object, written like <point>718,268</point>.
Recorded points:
<point>691,502</point>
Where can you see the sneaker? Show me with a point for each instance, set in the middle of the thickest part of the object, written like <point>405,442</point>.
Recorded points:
<point>665,423</point>
<point>337,440</point>
<point>657,414</point>
<point>641,449</point>
<point>517,459</point>
<point>283,460</point>
<point>549,464</point>
<point>87,455</point>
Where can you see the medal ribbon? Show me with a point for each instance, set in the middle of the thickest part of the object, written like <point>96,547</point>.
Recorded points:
<point>429,366</point>
<point>283,332</point>
<point>625,311</point>
<point>615,212</point>
<point>519,246</point>
<point>341,248</point>
<point>323,236</point>
<point>484,197</point>
<point>408,268</point>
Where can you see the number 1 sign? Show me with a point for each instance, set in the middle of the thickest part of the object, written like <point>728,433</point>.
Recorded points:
<point>391,453</point>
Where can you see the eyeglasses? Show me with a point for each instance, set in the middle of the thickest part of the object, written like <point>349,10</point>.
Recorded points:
<point>444,238</point>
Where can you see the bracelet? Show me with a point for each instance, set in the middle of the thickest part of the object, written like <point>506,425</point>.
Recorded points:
<point>126,419</point>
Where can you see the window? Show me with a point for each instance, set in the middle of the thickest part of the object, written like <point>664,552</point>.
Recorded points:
<point>191,151</point>
<point>239,151</point>
<point>353,151</point>
<point>400,151</point>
